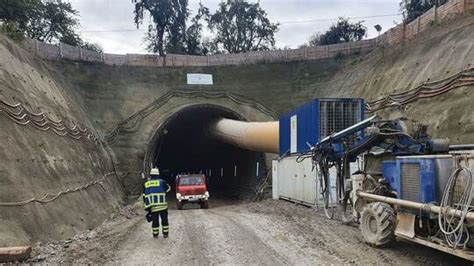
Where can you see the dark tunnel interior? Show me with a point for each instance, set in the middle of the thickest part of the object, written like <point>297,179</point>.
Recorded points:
<point>184,145</point>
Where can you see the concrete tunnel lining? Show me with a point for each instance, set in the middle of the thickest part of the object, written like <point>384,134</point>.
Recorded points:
<point>182,143</point>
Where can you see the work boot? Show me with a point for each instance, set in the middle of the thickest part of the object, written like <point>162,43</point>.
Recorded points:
<point>155,235</point>
<point>165,235</point>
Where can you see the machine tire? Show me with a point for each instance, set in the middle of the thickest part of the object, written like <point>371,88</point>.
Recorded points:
<point>377,224</point>
<point>205,204</point>
<point>179,205</point>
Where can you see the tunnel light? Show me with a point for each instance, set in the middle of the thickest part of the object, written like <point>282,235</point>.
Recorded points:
<point>235,170</point>
<point>222,172</point>
<point>257,170</point>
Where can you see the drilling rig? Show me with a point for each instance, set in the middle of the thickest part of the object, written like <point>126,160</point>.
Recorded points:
<point>409,185</point>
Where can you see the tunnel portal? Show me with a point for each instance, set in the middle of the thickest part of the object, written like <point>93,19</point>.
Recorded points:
<point>183,144</point>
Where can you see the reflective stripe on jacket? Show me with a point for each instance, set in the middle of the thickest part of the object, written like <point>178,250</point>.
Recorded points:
<point>154,195</point>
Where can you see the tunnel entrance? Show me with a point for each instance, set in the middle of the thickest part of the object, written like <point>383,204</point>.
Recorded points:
<point>184,145</point>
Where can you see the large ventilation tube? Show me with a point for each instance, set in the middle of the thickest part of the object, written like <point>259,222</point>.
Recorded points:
<point>254,136</point>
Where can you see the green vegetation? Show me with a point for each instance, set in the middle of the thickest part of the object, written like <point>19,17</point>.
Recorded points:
<point>47,21</point>
<point>341,31</point>
<point>238,26</point>
<point>241,27</point>
<point>168,25</point>
<point>412,9</point>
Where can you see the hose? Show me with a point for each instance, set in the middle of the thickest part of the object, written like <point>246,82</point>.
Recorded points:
<point>40,121</point>
<point>304,156</point>
<point>454,228</point>
<point>48,197</point>
<point>427,90</point>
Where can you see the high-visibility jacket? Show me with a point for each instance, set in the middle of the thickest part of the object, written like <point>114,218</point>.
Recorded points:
<point>154,195</point>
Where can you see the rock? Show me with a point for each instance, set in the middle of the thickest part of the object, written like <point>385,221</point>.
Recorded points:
<point>39,258</point>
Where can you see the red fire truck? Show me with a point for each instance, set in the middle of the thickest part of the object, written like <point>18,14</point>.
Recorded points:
<point>192,189</point>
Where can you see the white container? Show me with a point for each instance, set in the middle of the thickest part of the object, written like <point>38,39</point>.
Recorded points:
<point>295,181</point>
<point>300,183</point>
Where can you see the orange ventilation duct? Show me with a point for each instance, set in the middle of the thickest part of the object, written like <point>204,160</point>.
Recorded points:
<point>254,136</point>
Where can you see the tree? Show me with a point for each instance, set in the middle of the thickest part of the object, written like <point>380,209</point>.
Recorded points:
<point>16,15</point>
<point>92,47</point>
<point>241,26</point>
<point>195,45</point>
<point>412,9</point>
<point>341,31</point>
<point>168,26</point>
<point>176,42</point>
<point>55,21</point>
<point>48,21</point>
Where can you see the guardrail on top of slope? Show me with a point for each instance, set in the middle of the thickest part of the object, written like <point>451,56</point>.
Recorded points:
<point>129,125</point>
<point>426,90</point>
<point>40,121</point>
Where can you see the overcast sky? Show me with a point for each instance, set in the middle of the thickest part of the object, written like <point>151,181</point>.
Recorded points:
<point>110,22</point>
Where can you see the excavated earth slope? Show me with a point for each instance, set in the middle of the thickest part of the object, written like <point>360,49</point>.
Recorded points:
<point>40,156</point>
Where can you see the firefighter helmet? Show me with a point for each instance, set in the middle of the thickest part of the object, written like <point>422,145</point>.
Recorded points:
<point>155,171</point>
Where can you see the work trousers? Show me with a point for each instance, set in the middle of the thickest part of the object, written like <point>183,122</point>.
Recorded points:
<point>155,222</point>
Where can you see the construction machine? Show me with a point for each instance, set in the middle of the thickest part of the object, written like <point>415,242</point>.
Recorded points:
<point>411,186</point>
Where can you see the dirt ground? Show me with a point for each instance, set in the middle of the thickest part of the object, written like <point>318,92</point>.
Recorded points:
<point>267,232</point>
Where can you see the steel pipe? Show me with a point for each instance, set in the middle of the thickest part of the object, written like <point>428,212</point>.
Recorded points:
<point>254,136</point>
<point>415,205</point>
<point>457,147</point>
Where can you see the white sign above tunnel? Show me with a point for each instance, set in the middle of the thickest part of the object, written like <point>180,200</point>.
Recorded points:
<point>199,79</point>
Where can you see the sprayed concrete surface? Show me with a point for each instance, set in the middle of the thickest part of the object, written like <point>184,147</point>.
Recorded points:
<point>268,232</point>
<point>36,162</point>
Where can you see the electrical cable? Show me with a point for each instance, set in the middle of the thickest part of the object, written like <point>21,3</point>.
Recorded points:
<point>48,197</point>
<point>281,23</point>
<point>426,90</point>
<point>452,227</point>
<point>40,121</point>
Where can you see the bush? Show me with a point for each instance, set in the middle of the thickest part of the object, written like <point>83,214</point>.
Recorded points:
<point>12,32</point>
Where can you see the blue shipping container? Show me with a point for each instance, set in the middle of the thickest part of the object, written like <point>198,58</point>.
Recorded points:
<point>304,127</point>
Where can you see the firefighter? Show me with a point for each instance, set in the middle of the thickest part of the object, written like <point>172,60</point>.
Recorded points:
<point>154,197</point>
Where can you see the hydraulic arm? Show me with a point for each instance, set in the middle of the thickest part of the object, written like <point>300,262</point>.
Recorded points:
<point>398,137</point>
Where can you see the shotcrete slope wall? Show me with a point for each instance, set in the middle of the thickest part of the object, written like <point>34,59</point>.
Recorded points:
<point>36,160</point>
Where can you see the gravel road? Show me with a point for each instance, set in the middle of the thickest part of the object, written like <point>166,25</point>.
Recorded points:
<point>269,233</point>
